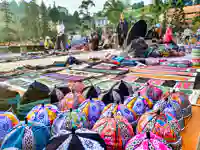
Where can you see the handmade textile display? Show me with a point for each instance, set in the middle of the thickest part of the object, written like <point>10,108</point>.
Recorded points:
<point>164,125</point>
<point>27,136</point>
<point>68,120</point>
<point>45,114</point>
<point>139,104</point>
<point>147,141</point>
<point>80,139</point>
<point>173,107</point>
<point>71,100</point>
<point>7,120</point>
<point>92,109</point>
<point>115,130</point>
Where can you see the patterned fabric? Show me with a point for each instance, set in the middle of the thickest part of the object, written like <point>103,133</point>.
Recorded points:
<point>68,120</point>
<point>27,136</point>
<point>7,121</point>
<point>43,113</point>
<point>71,100</point>
<point>115,131</point>
<point>183,101</point>
<point>142,142</point>
<point>163,125</point>
<point>92,109</point>
<point>140,104</point>
<point>152,92</point>
<point>81,139</point>
<point>56,95</point>
<point>77,86</point>
<point>171,106</point>
<point>121,110</point>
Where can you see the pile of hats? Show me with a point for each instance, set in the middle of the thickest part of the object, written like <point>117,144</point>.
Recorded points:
<point>85,118</point>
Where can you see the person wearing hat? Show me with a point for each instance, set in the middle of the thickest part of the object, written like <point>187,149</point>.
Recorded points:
<point>122,30</point>
<point>60,41</point>
<point>48,44</point>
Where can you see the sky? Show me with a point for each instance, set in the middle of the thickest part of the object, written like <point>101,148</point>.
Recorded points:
<point>72,5</point>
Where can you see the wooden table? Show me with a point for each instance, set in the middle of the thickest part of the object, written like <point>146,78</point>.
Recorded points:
<point>191,132</point>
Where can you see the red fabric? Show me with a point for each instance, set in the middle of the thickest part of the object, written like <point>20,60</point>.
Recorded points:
<point>168,35</point>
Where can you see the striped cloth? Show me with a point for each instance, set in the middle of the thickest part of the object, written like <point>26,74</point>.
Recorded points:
<point>196,56</point>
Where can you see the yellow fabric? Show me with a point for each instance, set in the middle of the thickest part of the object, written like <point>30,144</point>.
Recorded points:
<point>48,44</point>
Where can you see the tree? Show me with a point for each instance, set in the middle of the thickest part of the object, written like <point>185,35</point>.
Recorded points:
<point>54,14</point>
<point>178,19</point>
<point>84,12</point>
<point>8,20</point>
<point>138,5</point>
<point>112,9</point>
<point>76,17</point>
<point>44,20</point>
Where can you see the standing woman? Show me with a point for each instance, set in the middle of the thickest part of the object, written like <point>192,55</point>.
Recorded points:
<point>60,41</point>
<point>122,30</point>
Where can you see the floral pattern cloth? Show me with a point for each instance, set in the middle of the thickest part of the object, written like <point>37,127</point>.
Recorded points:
<point>122,110</point>
<point>142,142</point>
<point>163,125</point>
<point>68,120</point>
<point>183,101</point>
<point>92,109</point>
<point>43,113</point>
<point>80,139</point>
<point>27,136</point>
<point>115,131</point>
<point>152,92</point>
<point>171,106</point>
<point>7,121</point>
<point>71,100</point>
<point>139,104</point>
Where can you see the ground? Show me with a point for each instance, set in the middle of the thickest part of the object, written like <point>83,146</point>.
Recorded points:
<point>48,61</point>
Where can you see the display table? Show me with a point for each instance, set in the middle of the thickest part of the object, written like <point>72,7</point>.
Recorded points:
<point>191,132</point>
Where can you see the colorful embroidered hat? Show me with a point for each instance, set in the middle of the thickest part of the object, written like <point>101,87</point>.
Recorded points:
<point>91,91</point>
<point>77,87</point>
<point>27,135</point>
<point>92,109</point>
<point>43,113</point>
<point>7,121</point>
<point>123,88</point>
<point>152,92</point>
<point>71,100</point>
<point>36,92</point>
<point>80,139</point>
<point>147,141</point>
<point>58,93</point>
<point>116,131</point>
<point>173,107</point>
<point>110,96</point>
<point>184,102</point>
<point>163,125</point>
<point>68,120</point>
<point>140,104</point>
<point>122,110</point>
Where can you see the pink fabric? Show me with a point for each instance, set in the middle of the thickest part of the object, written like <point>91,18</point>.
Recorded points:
<point>168,35</point>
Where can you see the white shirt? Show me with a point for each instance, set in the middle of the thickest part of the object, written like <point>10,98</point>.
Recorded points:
<point>60,29</point>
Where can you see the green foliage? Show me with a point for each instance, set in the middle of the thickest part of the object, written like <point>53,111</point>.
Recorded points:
<point>113,9</point>
<point>54,14</point>
<point>138,5</point>
<point>8,20</point>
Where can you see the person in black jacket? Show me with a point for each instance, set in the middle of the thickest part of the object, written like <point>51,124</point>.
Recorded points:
<point>122,30</point>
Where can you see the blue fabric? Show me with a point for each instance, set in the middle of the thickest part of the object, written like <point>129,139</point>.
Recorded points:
<point>128,62</point>
<point>40,132</point>
<point>14,100</point>
<point>118,58</point>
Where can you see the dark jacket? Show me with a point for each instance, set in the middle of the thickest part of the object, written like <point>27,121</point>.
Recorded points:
<point>122,28</point>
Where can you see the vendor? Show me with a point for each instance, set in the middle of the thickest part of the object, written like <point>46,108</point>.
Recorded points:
<point>168,37</point>
<point>122,30</point>
<point>60,41</point>
<point>48,44</point>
